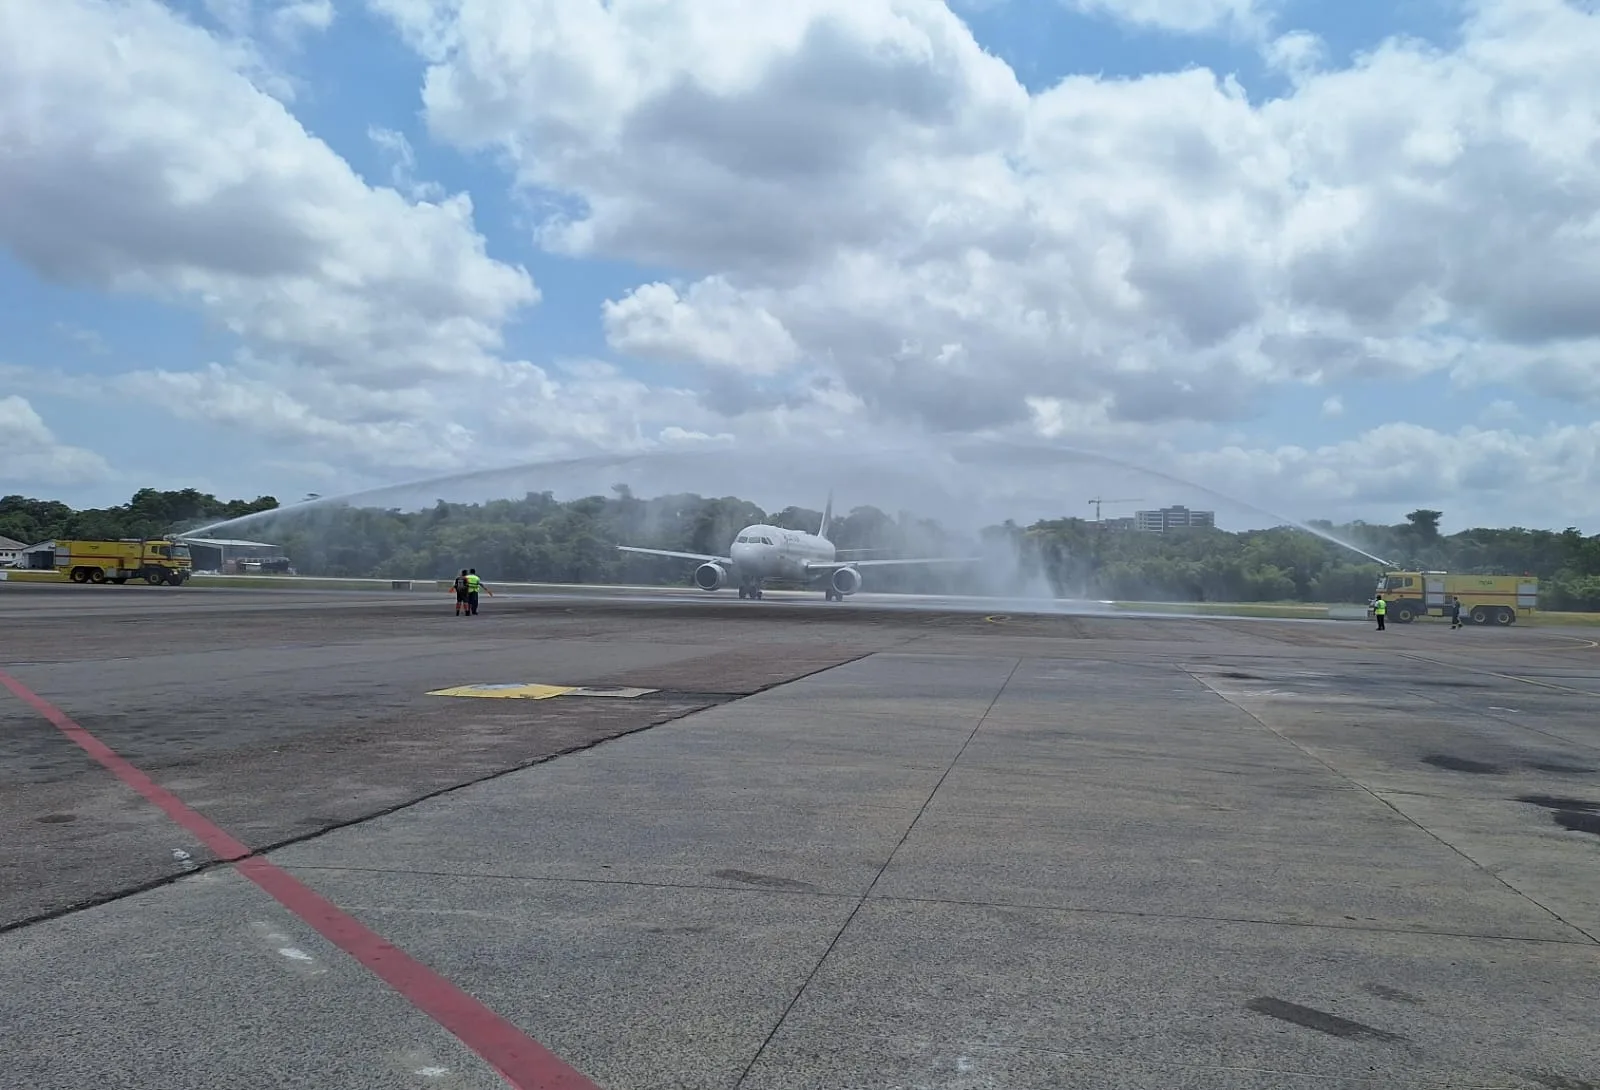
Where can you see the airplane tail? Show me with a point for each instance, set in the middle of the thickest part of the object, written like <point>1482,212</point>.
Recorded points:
<point>827,516</point>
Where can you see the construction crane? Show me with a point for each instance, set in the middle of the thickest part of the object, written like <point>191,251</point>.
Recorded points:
<point>1095,503</point>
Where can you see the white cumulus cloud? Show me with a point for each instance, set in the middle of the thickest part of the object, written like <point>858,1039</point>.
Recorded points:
<point>140,159</point>
<point>1495,476</point>
<point>1186,16</point>
<point>856,221</point>
<point>712,325</point>
<point>31,455</point>
<point>865,178</point>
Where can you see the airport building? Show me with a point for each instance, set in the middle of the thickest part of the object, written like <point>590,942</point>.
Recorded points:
<point>1172,518</point>
<point>10,552</point>
<point>232,556</point>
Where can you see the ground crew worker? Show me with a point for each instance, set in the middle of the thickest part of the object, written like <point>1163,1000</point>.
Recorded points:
<point>1455,612</point>
<point>461,593</point>
<point>1379,608</point>
<point>474,585</point>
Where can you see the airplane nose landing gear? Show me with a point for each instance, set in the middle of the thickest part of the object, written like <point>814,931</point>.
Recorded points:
<point>746,591</point>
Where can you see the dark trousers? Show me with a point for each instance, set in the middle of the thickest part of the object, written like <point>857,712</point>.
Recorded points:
<point>472,601</point>
<point>1380,622</point>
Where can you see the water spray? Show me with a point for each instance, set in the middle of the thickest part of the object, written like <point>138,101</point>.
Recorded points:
<point>1019,448</point>
<point>906,470</point>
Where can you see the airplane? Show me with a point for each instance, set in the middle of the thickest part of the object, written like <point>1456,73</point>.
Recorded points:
<point>761,552</point>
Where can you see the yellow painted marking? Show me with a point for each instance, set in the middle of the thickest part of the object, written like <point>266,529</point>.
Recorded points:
<point>506,692</point>
<point>528,691</point>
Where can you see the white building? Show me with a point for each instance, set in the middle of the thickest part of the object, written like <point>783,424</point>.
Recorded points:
<point>10,551</point>
<point>1172,518</point>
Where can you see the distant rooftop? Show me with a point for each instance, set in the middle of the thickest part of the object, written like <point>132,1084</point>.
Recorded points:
<point>11,545</point>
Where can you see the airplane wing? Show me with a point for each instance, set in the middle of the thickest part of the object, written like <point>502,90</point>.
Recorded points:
<point>837,564</point>
<point>703,558</point>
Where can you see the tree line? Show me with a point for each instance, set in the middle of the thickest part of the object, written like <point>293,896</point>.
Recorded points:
<point>541,539</point>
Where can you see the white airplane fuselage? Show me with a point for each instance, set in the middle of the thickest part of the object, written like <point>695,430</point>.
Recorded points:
<point>763,552</point>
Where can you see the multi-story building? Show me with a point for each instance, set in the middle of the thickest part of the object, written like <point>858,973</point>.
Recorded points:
<point>1172,518</point>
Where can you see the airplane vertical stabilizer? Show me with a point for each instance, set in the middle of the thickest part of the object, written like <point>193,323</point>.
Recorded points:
<point>827,516</point>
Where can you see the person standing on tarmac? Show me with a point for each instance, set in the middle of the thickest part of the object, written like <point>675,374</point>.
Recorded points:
<point>1455,612</point>
<point>1379,608</point>
<point>461,594</point>
<point>474,585</point>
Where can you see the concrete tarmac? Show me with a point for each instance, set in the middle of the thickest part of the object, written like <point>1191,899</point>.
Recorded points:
<point>833,845</point>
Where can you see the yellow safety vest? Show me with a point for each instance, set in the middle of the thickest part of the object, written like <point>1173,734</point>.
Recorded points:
<point>1380,607</point>
<point>472,584</point>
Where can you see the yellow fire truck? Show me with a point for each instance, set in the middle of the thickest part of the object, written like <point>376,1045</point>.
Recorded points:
<point>1485,599</point>
<point>155,560</point>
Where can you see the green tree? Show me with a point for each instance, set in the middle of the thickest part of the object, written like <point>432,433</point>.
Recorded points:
<point>539,538</point>
<point>1426,524</point>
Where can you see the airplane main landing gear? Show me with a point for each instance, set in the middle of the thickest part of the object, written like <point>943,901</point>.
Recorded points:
<point>750,592</point>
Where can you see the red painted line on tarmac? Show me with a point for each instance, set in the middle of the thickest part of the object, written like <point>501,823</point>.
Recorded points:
<point>520,1060</point>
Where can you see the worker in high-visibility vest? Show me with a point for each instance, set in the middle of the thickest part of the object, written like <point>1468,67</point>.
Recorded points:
<point>474,585</point>
<point>1379,608</point>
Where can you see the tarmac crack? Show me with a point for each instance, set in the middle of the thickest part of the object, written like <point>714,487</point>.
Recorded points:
<point>1343,1078</point>
<point>1508,677</point>
<point>209,865</point>
<point>961,902</point>
<point>1255,921</point>
<point>1484,712</point>
<point>638,883</point>
<point>1387,804</point>
<point>865,897</point>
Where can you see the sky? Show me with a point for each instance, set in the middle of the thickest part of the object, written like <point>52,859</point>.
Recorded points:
<point>1337,260</point>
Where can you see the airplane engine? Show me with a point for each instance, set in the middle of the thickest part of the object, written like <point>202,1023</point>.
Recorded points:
<point>846,581</point>
<point>710,576</point>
